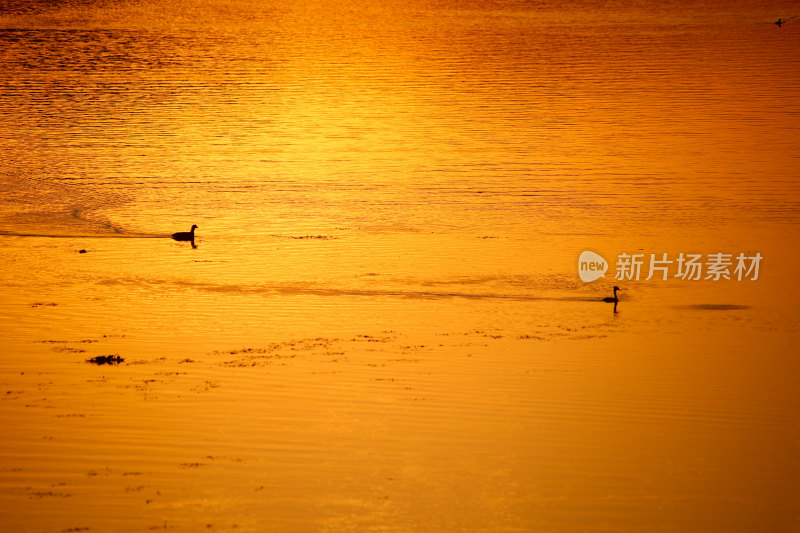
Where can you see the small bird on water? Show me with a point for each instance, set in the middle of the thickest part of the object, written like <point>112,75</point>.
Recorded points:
<point>615,299</point>
<point>185,235</point>
<point>782,21</point>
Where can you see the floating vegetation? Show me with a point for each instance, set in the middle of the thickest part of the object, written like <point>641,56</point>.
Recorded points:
<point>253,360</point>
<point>485,334</point>
<point>206,387</point>
<point>84,341</point>
<point>276,351</point>
<point>372,338</point>
<point>106,360</point>
<point>68,349</point>
<point>38,495</point>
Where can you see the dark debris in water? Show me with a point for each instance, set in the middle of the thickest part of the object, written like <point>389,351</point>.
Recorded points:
<point>106,360</point>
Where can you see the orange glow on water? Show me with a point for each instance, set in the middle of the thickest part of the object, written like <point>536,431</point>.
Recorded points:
<point>381,325</point>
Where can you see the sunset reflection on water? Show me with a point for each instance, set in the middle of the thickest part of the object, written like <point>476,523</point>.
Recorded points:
<point>381,325</point>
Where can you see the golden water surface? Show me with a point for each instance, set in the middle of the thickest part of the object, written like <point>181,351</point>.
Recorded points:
<point>380,326</point>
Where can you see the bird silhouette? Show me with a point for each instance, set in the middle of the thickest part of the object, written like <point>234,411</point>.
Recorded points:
<point>185,235</point>
<point>615,299</point>
<point>782,21</point>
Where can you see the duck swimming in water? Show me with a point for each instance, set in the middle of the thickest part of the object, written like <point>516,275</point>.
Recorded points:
<point>615,299</point>
<point>185,235</point>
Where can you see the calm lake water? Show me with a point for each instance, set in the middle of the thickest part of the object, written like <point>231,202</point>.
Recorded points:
<point>381,326</point>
